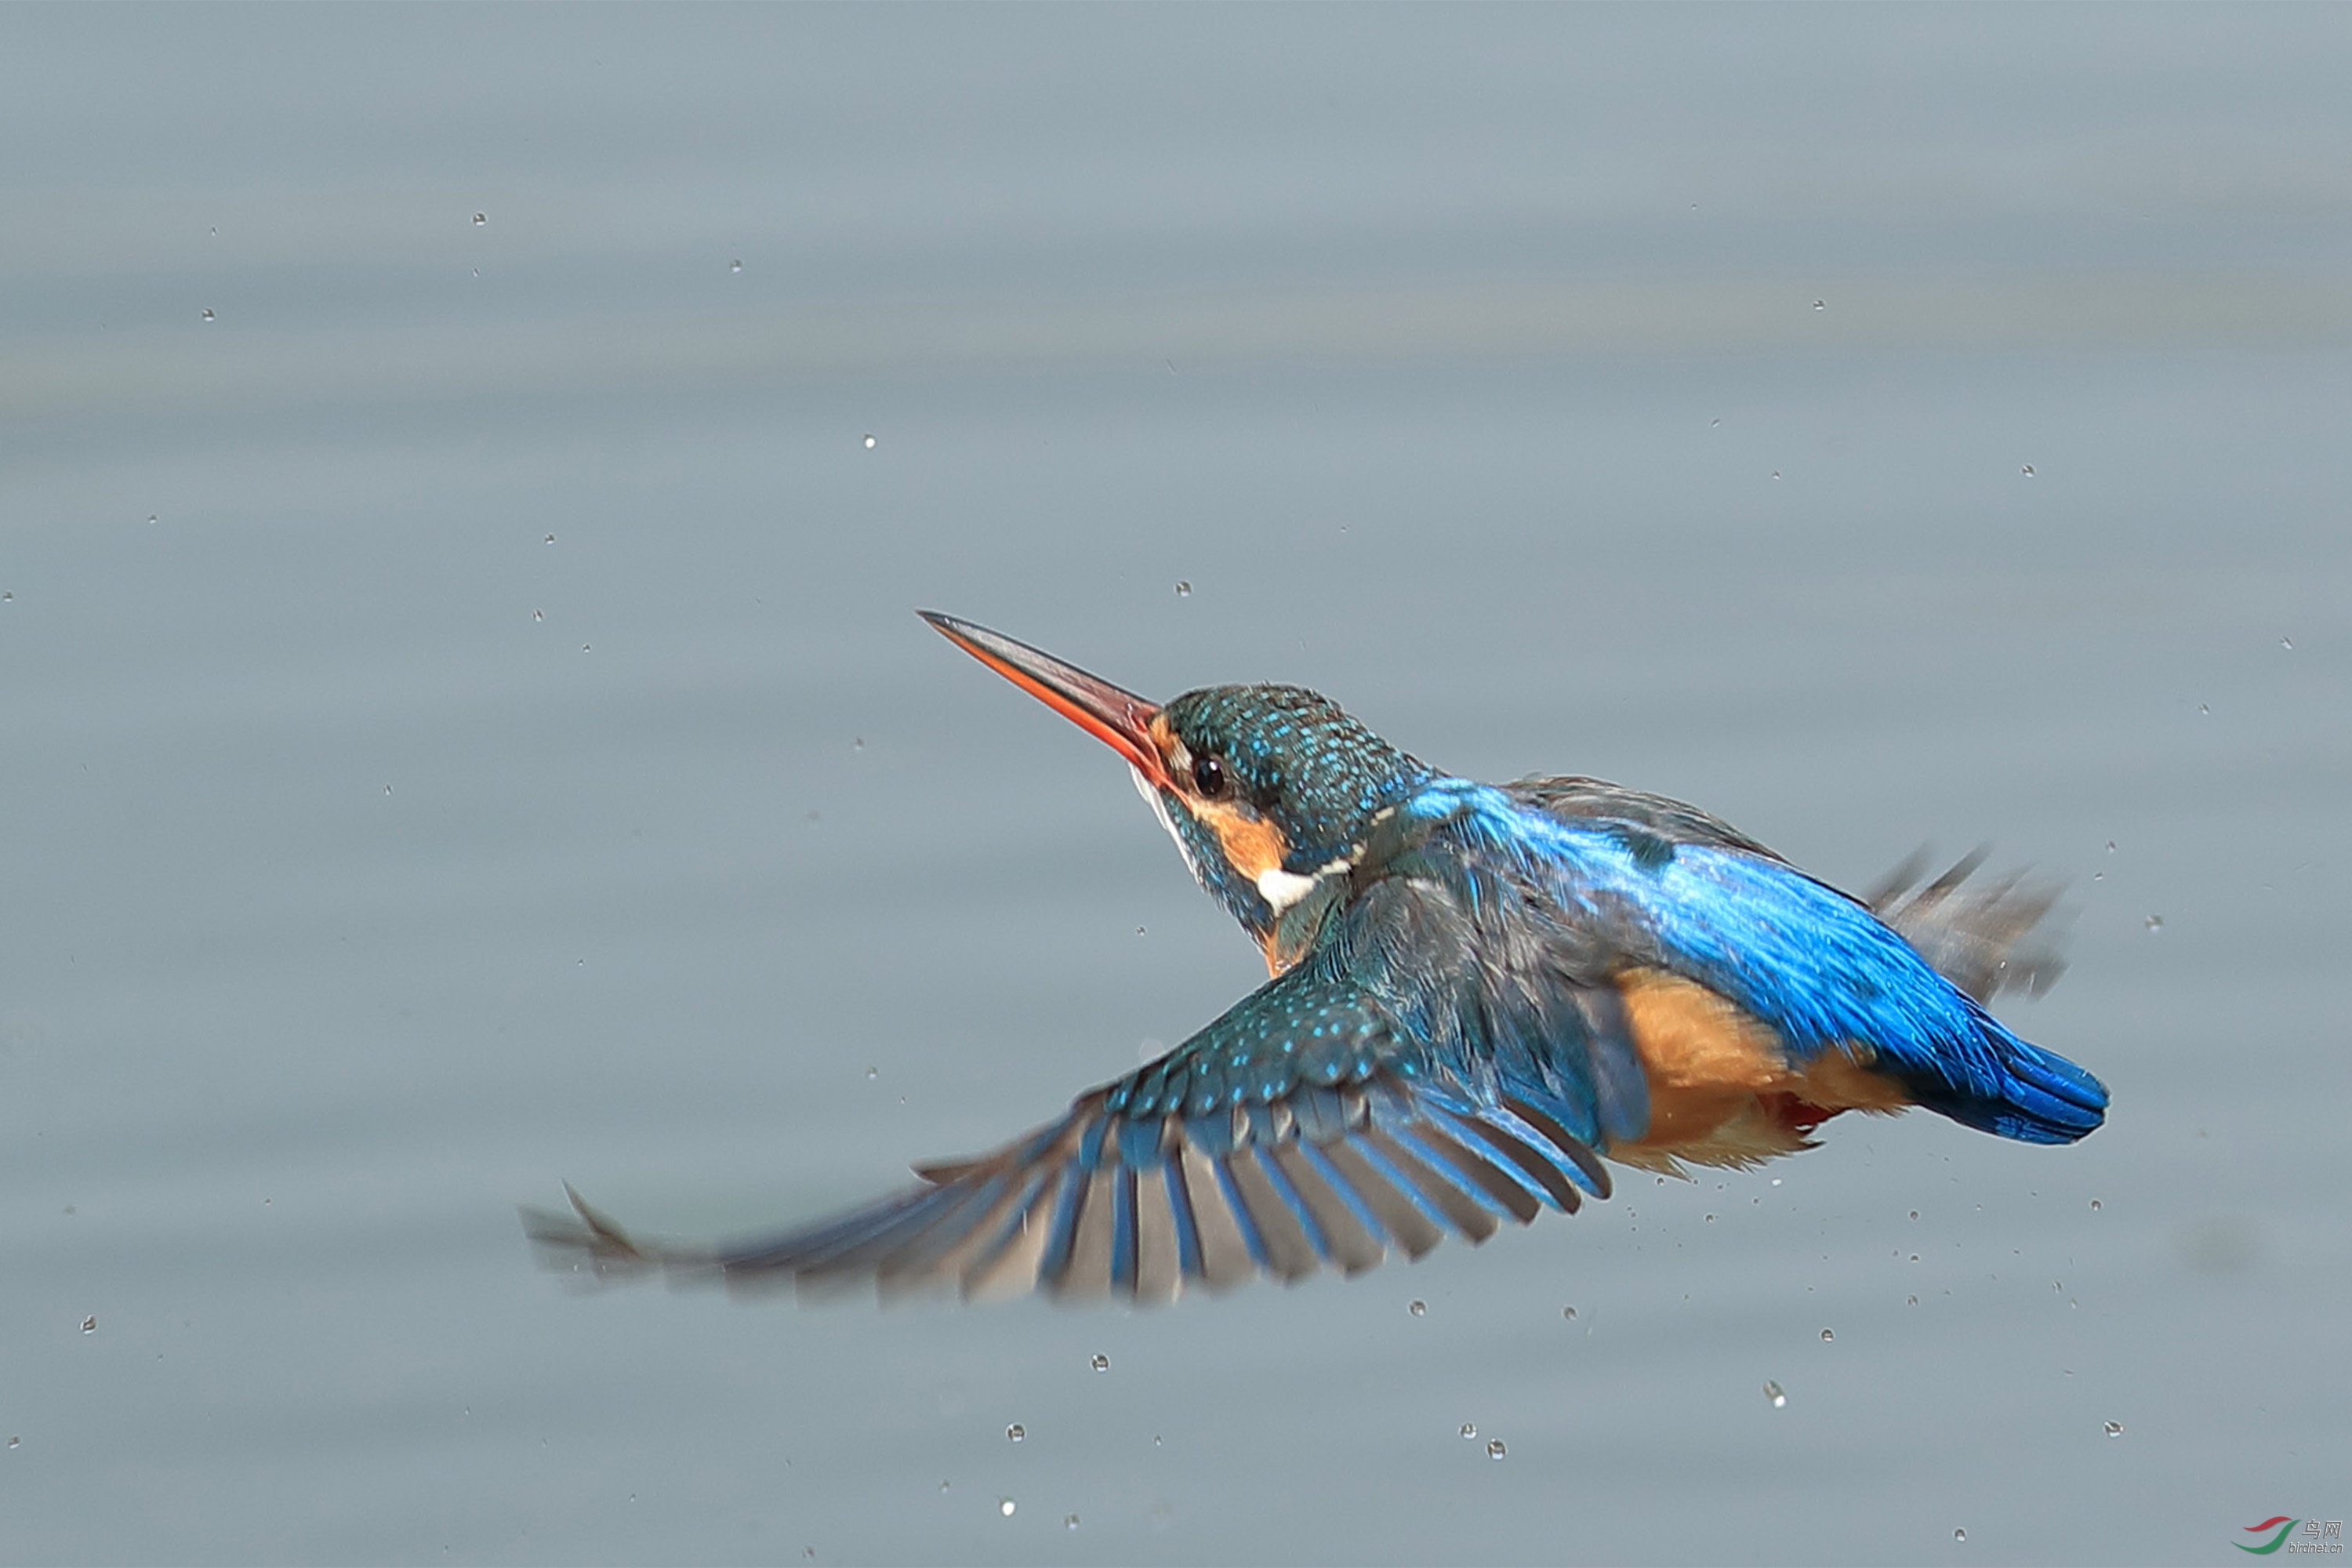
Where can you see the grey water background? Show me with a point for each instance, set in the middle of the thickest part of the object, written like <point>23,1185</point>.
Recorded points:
<point>462,728</point>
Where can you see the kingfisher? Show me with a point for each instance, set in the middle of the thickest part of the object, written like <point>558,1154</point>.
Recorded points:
<point>1479,997</point>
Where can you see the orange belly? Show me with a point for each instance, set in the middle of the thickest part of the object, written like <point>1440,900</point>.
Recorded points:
<point>1722,1088</point>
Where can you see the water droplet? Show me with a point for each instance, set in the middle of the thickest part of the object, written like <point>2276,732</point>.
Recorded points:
<point>2111,845</point>
<point>2095,1206</point>
<point>387,789</point>
<point>1495,1449</point>
<point>549,540</point>
<point>15,1442</point>
<point>1960,1535</point>
<point>1715,424</point>
<point>2287,643</point>
<point>1910,1301</point>
<point>873,1072</point>
<point>209,314</point>
<point>1708,1218</point>
<point>857,743</point>
<point>1101,1363</point>
<point>1469,1430</point>
<point>1014,1432</point>
<point>2027,471</point>
<point>1417,1308</point>
<point>1776,473</point>
<point>869,443</point>
<point>1004,1507</point>
<point>2156,922</point>
<point>90,1325</point>
<point>1569,1312</point>
<point>153,518</point>
<point>943,1486</point>
<point>1183,590</point>
<point>481,218</point>
<point>538,614</point>
<point>6,597</point>
<point>1069,1521</point>
<point>1821,304</point>
<point>2115,1428</point>
<point>735,266</point>
<point>1915,1258</point>
<point>1827,1336</point>
<point>1776,1394</point>
<point>584,647</point>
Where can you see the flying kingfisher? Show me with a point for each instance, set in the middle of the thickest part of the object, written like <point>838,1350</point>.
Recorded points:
<point>1477,994</point>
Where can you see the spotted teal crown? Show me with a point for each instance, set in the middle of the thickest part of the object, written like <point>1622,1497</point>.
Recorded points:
<point>1296,761</point>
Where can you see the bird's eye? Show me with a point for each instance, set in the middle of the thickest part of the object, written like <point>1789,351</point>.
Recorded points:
<point>1209,775</point>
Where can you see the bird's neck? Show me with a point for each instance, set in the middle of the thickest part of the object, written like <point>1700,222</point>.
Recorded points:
<point>1290,929</point>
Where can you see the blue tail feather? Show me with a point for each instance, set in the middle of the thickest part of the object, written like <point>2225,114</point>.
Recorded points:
<point>2042,1098</point>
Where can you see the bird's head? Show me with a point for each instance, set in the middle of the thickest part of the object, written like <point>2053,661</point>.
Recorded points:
<point>1270,792</point>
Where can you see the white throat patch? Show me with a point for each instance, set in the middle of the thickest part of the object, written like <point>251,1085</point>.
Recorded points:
<point>1281,888</point>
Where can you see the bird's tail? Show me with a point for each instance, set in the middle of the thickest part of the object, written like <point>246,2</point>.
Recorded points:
<point>2038,1096</point>
<point>1987,937</point>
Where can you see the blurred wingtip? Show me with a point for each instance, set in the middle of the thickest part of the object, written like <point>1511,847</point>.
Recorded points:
<point>591,1249</point>
<point>2001,934</point>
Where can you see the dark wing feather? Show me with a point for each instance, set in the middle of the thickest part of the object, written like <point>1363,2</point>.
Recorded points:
<point>1306,1129</point>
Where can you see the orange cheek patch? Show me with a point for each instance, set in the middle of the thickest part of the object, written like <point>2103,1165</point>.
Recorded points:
<point>1252,846</point>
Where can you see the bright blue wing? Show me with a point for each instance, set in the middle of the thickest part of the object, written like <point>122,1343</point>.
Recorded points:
<point>1645,889</point>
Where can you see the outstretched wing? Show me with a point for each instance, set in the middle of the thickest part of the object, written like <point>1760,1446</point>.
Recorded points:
<point>1304,1128</point>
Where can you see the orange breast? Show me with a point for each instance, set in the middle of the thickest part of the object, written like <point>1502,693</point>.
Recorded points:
<point>1722,1088</point>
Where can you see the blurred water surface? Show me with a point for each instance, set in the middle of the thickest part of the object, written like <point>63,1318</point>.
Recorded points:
<point>464,729</point>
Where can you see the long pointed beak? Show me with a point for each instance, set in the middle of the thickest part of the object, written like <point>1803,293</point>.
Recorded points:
<point>1117,718</point>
